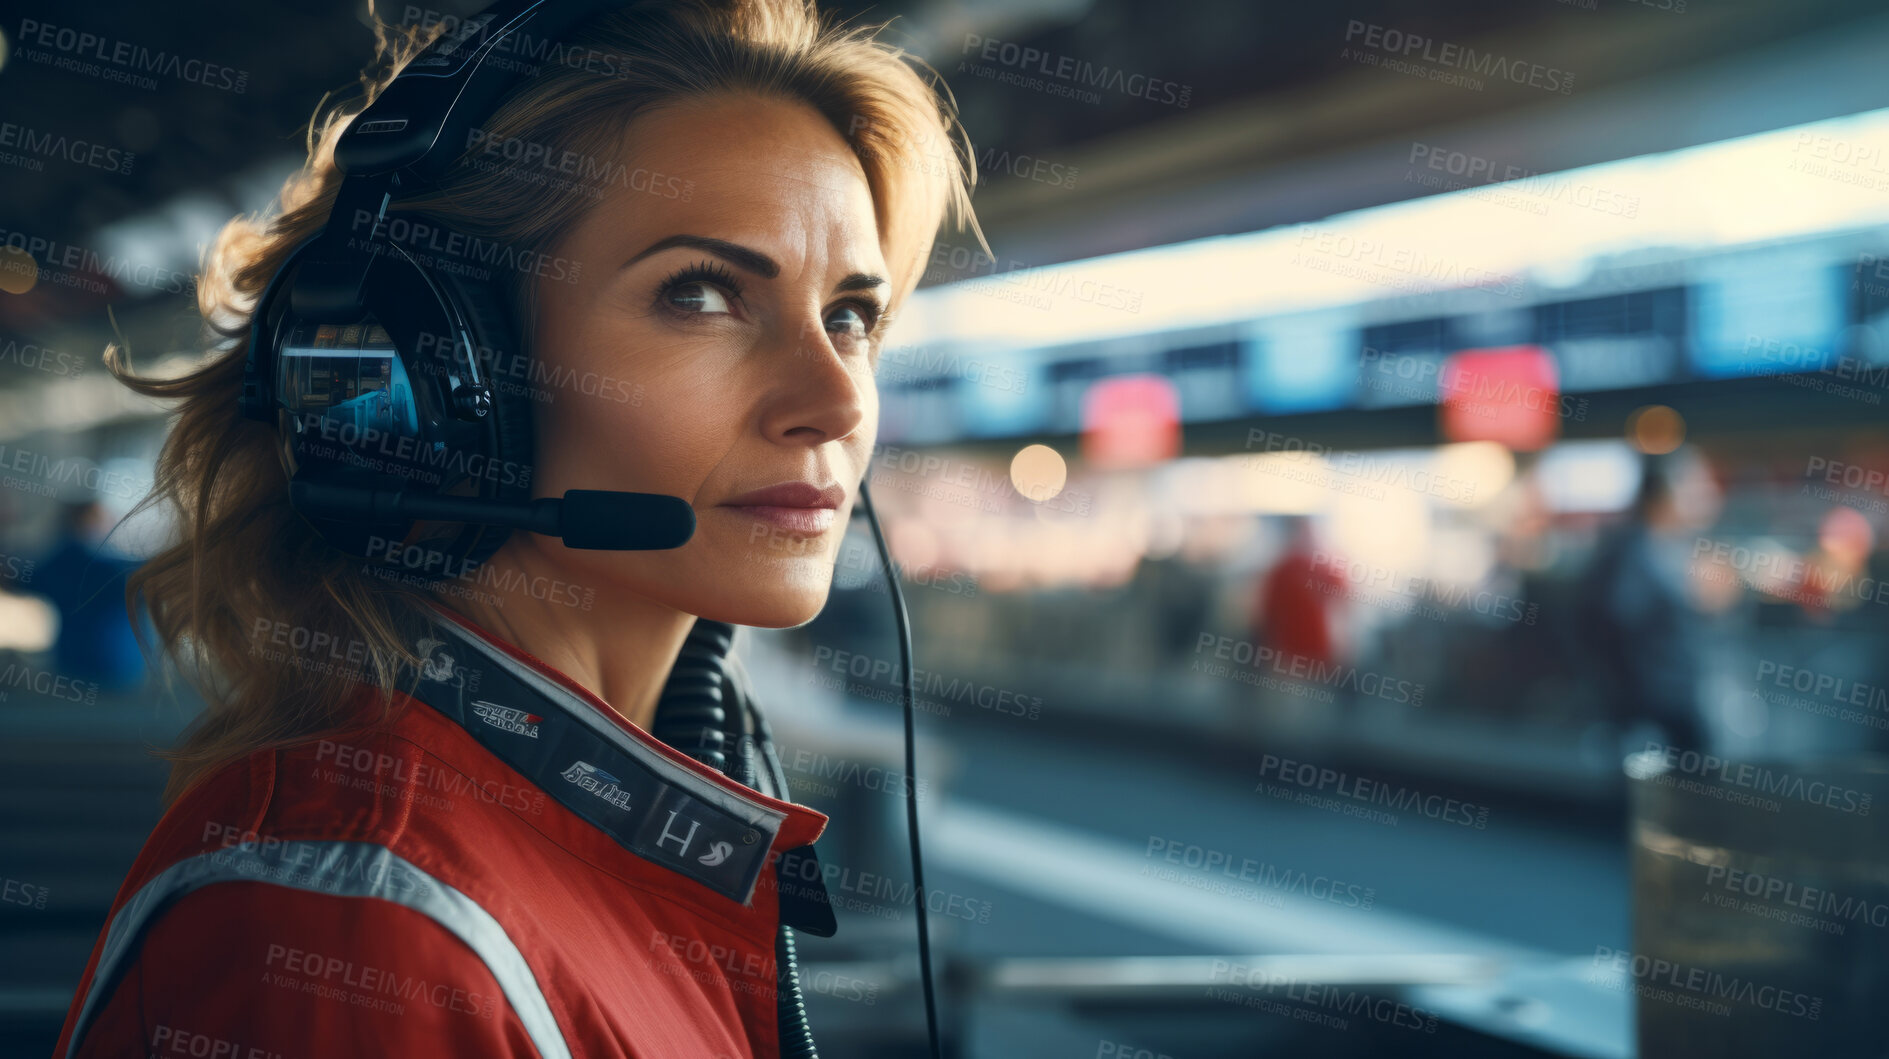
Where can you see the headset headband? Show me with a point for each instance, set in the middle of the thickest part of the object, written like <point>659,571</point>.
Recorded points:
<point>410,136</point>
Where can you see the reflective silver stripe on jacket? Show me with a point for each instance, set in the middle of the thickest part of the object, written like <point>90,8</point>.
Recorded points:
<point>340,869</point>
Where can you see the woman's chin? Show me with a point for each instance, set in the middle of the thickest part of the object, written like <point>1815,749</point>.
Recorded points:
<point>763,609</point>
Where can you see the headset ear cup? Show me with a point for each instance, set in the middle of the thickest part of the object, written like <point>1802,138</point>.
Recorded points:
<point>505,363</point>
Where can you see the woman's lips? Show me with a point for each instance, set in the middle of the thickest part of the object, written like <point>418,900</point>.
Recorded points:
<point>810,521</point>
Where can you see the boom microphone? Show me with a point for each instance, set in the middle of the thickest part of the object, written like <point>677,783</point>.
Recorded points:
<point>585,518</point>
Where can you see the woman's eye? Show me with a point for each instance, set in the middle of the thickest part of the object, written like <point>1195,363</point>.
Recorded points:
<point>848,320</point>
<point>698,297</point>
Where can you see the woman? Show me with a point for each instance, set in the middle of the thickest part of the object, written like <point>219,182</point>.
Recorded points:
<point>428,816</point>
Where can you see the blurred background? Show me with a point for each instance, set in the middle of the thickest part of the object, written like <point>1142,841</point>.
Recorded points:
<point>1377,421</point>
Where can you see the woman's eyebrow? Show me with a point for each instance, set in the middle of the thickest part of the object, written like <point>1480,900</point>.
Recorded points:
<point>752,260</point>
<point>736,254</point>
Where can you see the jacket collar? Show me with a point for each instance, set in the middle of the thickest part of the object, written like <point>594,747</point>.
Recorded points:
<point>652,799</point>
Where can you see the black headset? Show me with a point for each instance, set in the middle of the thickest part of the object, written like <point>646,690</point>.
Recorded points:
<point>400,384</point>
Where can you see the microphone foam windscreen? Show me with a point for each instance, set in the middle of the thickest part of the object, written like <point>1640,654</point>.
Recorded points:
<point>602,519</point>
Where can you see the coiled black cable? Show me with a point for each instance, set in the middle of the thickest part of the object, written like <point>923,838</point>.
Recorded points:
<point>693,703</point>
<point>703,712</point>
<point>691,714</point>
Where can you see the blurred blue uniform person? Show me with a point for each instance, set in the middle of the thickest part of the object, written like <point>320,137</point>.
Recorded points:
<point>86,584</point>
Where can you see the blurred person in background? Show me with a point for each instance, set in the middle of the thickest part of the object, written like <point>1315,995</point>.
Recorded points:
<point>1642,625</point>
<point>84,580</point>
<point>1295,611</point>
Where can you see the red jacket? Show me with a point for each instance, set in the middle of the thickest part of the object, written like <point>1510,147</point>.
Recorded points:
<point>507,869</point>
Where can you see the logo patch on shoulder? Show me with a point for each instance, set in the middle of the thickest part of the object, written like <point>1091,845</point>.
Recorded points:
<point>598,782</point>
<point>506,719</point>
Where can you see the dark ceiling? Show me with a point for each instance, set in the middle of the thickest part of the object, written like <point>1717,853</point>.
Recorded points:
<point>189,139</point>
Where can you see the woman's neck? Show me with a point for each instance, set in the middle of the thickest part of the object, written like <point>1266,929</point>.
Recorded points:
<point>619,646</point>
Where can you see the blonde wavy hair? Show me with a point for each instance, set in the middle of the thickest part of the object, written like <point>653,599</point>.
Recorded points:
<point>245,567</point>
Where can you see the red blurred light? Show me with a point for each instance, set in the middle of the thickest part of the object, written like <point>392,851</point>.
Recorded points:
<point>1510,395</point>
<point>1131,421</point>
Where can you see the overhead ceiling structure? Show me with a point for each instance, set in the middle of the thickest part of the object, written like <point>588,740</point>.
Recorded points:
<point>1099,127</point>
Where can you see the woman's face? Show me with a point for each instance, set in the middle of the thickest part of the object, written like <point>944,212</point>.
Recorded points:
<point>732,284</point>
